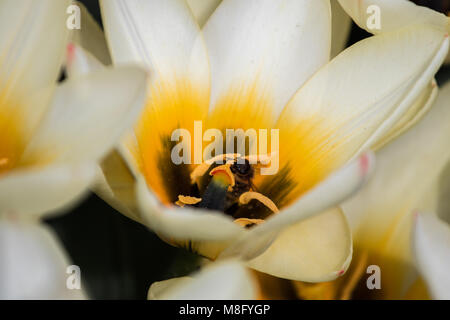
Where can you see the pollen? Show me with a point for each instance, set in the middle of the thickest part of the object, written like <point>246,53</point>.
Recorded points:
<point>186,200</point>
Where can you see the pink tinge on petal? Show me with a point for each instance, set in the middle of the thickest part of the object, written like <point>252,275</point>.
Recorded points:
<point>70,53</point>
<point>364,162</point>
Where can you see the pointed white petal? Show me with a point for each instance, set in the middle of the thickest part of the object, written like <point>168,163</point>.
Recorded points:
<point>39,191</point>
<point>351,103</point>
<point>432,250</point>
<point>267,46</point>
<point>161,34</point>
<point>314,250</point>
<point>88,115</point>
<point>33,38</point>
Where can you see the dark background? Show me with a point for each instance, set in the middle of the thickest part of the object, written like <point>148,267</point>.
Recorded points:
<point>120,258</point>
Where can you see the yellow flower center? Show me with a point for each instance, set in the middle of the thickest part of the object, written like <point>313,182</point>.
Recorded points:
<point>303,149</point>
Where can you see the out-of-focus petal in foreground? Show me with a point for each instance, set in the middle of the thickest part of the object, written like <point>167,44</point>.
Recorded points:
<point>226,280</point>
<point>33,264</point>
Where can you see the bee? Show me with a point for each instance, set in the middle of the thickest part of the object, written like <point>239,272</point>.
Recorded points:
<point>215,196</point>
<point>243,172</point>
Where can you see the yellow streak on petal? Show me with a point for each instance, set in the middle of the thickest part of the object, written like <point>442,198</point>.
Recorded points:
<point>310,152</point>
<point>170,106</point>
<point>243,107</point>
<point>11,136</point>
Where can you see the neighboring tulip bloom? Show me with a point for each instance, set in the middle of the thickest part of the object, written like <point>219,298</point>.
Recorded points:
<point>410,176</point>
<point>264,65</point>
<point>52,136</point>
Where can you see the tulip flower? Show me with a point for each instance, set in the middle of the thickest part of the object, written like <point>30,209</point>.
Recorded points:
<point>53,135</point>
<point>263,65</point>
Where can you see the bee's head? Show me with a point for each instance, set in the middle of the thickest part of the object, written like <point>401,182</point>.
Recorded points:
<point>242,168</point>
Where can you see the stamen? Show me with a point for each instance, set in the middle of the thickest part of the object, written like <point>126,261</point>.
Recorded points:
<point>248,223</point>
<point>246,197</point>
<point>186,200</point>
<point>201,169</point>
<point>225,172</point>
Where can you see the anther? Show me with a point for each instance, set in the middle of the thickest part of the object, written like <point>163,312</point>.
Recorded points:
<point>246,197</point>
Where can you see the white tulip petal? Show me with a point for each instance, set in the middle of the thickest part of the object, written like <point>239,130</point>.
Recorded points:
<point>415,113</point>
<point>33,264</point>
<point>336,188</point>
<point>203,9</point>
<point>228,280</point>
<point>432,250</point>
<point>416,160</point>
<point>88,115</point>
<point>158,289</point>
<point>267,46</point>
<point>184,223</point>
<point>314,250</point>
<point>117,185</point>
<point>359,96</point>
<point>405,180</point>
<point>81,62</point>
<point>161,34</point>
<point>32,42</point>
<point>38,191</point>
<point>392,14</point>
